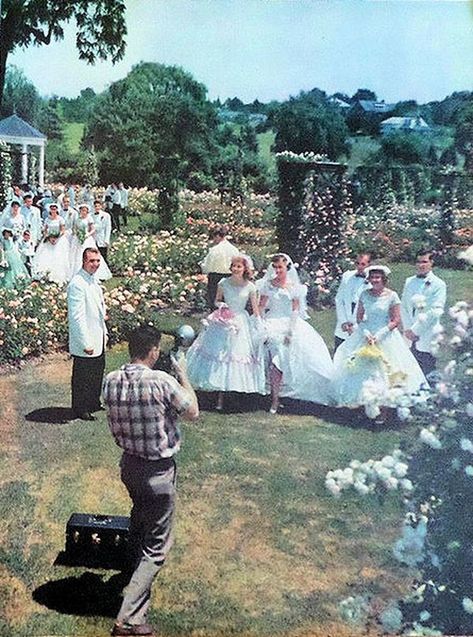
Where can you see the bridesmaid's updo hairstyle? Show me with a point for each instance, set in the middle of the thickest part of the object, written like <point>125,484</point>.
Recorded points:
<point>241,259</point>
<point>381,271</point>
<point>276,258</point>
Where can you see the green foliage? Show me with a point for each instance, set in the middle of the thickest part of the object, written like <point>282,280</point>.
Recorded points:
<point>20,96</point>
<point>309,123</point>
<point>100,27</point>
<point>464,133</point>
<point>5,173</point>
<point>406,148</point>
<point>153,128</point>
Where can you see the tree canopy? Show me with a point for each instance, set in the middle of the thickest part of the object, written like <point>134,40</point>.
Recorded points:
<point>155,120</point>
<point>309,123</point>
<point>101,27</point>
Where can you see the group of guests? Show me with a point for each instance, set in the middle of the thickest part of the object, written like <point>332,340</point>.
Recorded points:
<point>49,242</point>
<point>378,337</point>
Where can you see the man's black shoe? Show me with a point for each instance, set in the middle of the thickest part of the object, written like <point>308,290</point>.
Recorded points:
<point>98,408</point>
<point>84,416</point>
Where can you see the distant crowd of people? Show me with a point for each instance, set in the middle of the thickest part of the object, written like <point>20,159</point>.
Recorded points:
<point>44,235</point>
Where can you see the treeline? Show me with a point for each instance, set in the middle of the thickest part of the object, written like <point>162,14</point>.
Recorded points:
<point>157,127</point>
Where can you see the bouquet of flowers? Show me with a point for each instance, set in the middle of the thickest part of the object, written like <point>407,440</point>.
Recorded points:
<point>53,235</point>
<point>222,316</point>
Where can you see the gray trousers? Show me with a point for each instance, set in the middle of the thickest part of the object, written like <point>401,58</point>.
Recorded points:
<point>152,488</point>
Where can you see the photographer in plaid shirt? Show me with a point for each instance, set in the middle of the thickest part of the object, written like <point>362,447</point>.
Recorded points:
<point>142,410</point>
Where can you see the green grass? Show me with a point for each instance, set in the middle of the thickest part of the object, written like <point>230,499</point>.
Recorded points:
<point>361,148</point>
<point>265,142</point>
<point>261,547</point>
<point>73,132</point>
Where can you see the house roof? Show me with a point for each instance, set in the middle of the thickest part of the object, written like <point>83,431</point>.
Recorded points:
<point>14,126</point>
<point>376,107</point>
<point>405,122</point>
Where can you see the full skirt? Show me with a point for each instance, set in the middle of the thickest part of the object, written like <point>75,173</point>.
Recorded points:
<point>52,260</point>
<point>305,362</point>
<point>389,364</point>
<point>227,358</point>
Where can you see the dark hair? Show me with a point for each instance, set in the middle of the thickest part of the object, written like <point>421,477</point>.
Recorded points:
<point>218,231</point>
<point>426,253</point>
<point>97,201</point>
<point>383,274</point>
<point>86,252</point>
<point>280,257</point>
<point>141,340</point>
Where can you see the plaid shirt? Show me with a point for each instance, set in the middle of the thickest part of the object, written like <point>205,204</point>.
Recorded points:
<point>142,408</point>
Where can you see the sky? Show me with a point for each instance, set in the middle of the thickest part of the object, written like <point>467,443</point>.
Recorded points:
<point>272,49</point>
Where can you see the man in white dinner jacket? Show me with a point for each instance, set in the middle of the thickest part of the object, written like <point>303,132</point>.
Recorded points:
<point>32,216</point>
<point>352,284</point>
<point>422,304</point>
<point>87,336</point>
<point>103,228</point>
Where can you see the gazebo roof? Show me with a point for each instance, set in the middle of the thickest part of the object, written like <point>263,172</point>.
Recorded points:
<point>15,127</point>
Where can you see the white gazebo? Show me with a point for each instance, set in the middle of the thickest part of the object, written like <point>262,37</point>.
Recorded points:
<point>14,130</point>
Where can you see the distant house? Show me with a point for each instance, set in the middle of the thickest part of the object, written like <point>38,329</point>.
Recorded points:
<point>337,101</point>
<point>374,108</point>
<point>405,124</point>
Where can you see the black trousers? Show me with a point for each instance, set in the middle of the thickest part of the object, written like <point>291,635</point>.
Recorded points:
<point>426,361</point>
<point>115,214</point>
<point>212,282</point>
<point>337,342</point>
<point>104,252</point>
<point>86,384</point>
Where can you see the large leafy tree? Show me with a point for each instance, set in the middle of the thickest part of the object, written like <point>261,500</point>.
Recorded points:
<point>101,27</point>
<point>155,121</point>
<point>309,123</point>
<point>20,96</point>
<point>464,134</point>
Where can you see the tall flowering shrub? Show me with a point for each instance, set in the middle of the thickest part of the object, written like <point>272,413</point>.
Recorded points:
<point>435,476</point>
<point>5,172</point>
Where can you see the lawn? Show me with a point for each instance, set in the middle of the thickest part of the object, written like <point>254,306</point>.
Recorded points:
<point>73,132</point>
<point>261,547</point>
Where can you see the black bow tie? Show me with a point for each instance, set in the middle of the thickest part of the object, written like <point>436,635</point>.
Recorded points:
<point>362,276</point>
<point>421,276</point>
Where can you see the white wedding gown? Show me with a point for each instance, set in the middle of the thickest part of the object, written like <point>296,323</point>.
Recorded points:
<point>305,362</point>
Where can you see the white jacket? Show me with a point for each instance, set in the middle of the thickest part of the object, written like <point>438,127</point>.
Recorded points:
<point>422,305</point>
<point>86,315</point>
<point>346,300</point>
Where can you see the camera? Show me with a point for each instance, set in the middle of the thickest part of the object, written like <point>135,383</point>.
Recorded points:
<point>183,338</point>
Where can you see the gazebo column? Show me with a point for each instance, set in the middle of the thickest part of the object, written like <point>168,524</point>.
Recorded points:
<point>41,165</point>
<point>24,163</point>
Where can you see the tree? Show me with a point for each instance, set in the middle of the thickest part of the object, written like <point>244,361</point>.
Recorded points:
<point>309,124</point>
<point>153,128</point>
<point>464,134</point>
<point>101,27</point>
<point>364,94</point>
<point>20,96</point>
<point>405,148</point>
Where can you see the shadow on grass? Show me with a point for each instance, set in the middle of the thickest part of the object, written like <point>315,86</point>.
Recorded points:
<point>89,595</point>
<point>234,402</point>
<point>53,415</point>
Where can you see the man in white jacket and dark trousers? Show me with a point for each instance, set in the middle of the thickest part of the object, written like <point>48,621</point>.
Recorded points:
<point>103,229</point>
<point>352,284</point>
<point>87,336</point>
<point>422,304</point>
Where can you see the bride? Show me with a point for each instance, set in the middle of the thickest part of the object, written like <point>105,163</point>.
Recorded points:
<point>300,363</point>
<point>376,352</point>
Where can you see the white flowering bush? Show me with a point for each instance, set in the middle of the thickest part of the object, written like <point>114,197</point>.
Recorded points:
<point>434,474</point>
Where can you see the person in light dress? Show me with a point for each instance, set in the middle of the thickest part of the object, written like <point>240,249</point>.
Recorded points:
<point>300,365</point>
<point>375,355</point>
<point>82,237</point>
<point>228,355</point>
<point>51,258</point>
